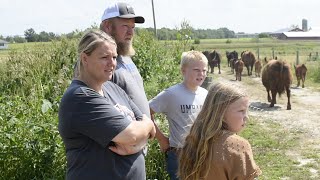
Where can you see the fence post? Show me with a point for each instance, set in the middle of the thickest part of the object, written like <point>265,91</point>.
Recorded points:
<point>310,55</point>
<point>297,60</point>
<point>207,82</point>
<point>317,55</point>
<point>272,53</point>
<point>258,54</point>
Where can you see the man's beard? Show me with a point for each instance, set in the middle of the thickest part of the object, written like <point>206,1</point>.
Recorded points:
<point>123,48</point>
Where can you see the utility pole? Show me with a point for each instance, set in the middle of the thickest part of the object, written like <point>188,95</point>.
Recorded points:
<point>154,21</point>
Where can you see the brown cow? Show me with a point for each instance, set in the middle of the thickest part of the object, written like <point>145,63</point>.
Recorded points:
<point>277,78</point>
<point>257,68</point>
<point>232,61</point>
<point>248,59</point>
<point>238,66</point>
<point>301,71</point>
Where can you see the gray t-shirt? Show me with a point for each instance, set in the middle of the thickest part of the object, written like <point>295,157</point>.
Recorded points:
<point>87,124</point>
<point>129,79</point>
<point>181,107</point>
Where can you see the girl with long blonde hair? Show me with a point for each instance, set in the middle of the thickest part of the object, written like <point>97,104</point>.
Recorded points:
<point>212,149</point>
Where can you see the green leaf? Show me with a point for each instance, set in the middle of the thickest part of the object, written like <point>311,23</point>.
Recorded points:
<point>46,105</point>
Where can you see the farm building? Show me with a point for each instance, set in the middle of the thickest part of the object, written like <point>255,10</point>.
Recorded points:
<point>279,32</point>
<point>3,44</point>
<point>299,36</point>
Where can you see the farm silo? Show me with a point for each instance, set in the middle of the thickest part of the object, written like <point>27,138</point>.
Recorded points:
<point>304,25</point>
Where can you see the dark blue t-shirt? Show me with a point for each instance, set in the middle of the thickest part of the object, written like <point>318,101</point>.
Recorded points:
<point>87,124</point>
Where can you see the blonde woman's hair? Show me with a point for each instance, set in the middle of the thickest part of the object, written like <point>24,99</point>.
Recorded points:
<point>196,156</point>
<point>192,56</point>
<point>88,43</point>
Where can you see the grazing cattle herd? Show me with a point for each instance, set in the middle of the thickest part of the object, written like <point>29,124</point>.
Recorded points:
<point>275,74</point>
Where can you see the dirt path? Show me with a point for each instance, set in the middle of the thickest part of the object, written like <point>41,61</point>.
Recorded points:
<point>304,116</point>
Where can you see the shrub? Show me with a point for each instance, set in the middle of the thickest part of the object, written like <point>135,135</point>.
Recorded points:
<point>196,41</point>
<point>31,88</point>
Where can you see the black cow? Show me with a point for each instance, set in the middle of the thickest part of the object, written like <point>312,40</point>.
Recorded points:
<point>214,60</point>
<point>231,55</point>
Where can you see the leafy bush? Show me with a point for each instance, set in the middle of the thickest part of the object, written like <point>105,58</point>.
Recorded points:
<point>196,41</point>
<point>31,88</point>
<point>157,61</point>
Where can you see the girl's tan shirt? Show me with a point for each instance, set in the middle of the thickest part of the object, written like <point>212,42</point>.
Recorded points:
<point>232,159</point>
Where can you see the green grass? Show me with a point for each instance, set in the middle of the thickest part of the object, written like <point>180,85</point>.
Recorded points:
<point>4,53</point>
<point>282,49</point>
<point>271,142</point>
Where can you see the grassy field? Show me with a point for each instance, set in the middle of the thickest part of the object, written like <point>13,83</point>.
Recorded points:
<point>286,50</point>
<point>4,53</point>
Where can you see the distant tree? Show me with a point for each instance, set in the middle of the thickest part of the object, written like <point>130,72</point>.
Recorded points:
<point>44,37</point>
<point>18,39</point>
<point>263,35</point>
<point>220,33</point>
<point>31,35</point>
<point>74,34</point>
<point>227,33</point>
<point>176,34</point>
<point>52,36</point>
<point>9,39</point>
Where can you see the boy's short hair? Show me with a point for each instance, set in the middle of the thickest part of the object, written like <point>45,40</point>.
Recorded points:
<point>192,56</point>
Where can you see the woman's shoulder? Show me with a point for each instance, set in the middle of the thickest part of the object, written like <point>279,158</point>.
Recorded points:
<point>111,86</point>
<point>77,87</point>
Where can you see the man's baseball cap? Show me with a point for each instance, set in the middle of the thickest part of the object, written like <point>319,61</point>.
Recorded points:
<point>121,10</point>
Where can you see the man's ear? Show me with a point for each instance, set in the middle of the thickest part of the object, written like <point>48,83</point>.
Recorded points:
<point>106,25</point>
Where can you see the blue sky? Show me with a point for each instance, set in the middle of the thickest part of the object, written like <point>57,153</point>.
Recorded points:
<point>250,16</point>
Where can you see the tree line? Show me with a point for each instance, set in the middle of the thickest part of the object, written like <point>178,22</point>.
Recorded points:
<point>162,34</point>
<point>30,35</point>
<point>170,34</point>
